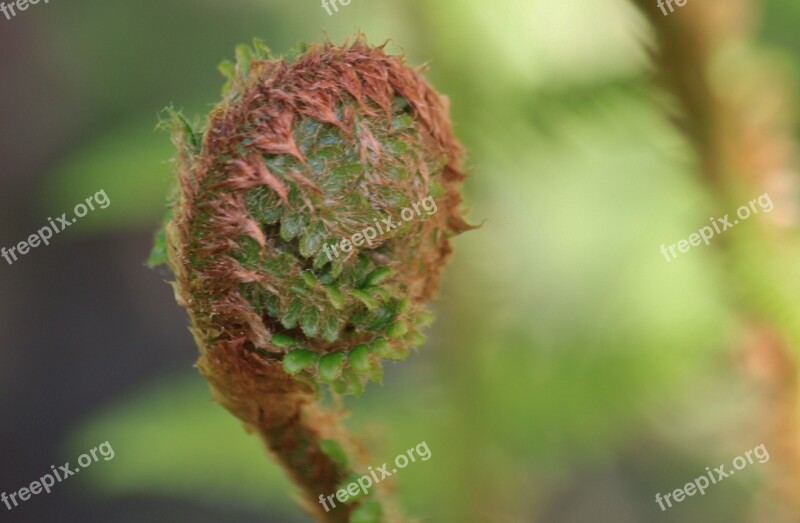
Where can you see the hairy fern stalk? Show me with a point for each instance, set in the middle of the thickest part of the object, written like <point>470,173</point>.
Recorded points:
<point>303,152</point>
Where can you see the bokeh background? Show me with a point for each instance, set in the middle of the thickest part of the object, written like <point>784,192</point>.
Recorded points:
<point>572,372</point>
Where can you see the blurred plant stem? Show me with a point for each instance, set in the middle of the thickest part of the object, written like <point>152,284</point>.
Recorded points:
<point>735,107</point>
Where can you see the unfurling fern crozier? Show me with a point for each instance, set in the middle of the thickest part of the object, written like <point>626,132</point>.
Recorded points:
<point>301,153</point>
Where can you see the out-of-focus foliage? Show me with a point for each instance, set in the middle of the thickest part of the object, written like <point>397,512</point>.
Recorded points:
<point>111,163</point>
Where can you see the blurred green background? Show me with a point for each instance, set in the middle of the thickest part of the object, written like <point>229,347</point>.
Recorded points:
<point>571,374</point>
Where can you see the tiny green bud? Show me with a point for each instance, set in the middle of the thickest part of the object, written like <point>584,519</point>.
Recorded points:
<point>355,386</point>
<point>397,353</point>
<point>359,358</point>
<point>309,322</point>
<point>289,319</point>
<point>415,339</point>
<point>335,296</point>
<point>397,329</point>
<point>298,360</point>
<point>309,278</point>
<point>380,347</point>
<point>330,329</point>
<point>424,319</point>
<point>331,365</point>
<point>378,276</point>
<point>282,340</point>
<point>376,372</point>
<point>365,298</point>
<point>379,292</point>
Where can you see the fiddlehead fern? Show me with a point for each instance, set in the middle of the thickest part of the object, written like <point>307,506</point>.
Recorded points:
<point>303,155</point>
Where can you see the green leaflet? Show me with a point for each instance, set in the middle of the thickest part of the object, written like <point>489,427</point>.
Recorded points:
<point>298,360</point>
<point>378,276</point>
<point>365,298</point>
<point>397,330</point>
<point>282,340</point>
<point>309,322</point>
<point>311,240</point>
<point>330,329</point>
<point>335,296</point>
<point>359,358</point>
<point>330,366</point>
<point>309,278</point>
<point>292,225</point>
<point>289,320</point>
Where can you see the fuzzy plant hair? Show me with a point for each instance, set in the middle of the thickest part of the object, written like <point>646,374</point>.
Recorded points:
<point>302,153</point>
